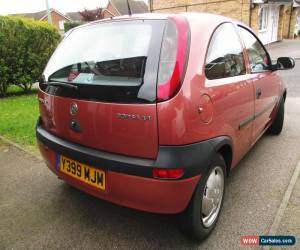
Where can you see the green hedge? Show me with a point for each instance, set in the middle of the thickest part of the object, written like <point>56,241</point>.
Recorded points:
<point>71,25</point>
<point>25,48</point>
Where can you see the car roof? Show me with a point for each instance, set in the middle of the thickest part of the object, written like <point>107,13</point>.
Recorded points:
<point>201,16</point>
<point>201,19</point>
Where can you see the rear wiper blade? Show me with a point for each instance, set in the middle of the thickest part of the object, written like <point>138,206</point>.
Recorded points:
<point>62,84</point>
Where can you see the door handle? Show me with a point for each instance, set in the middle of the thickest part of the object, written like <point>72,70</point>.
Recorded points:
<point>258,93</point>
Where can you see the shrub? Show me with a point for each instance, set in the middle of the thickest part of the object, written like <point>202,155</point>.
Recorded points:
<point>25,47</point>
<point>91,15</point>
<point>71,25</point>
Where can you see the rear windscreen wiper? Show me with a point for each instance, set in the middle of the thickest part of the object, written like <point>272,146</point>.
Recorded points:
<point>62,84</point>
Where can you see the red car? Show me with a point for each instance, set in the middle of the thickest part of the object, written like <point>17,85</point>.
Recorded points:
<point>153,111</point>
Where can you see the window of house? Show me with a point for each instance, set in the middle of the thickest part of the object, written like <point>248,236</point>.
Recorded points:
<point>61,24</point>
<point>298,19</point>
<point>297,25</point>
<point>225,54</point>
<point>258,57</point>
<point>263,18</point>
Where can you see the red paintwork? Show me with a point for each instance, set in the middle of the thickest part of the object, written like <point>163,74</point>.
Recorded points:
<point>206,108</point>
<point>151,195</point>
<point>233,99</point>
<point>225,104</point>
<point>101,129</point>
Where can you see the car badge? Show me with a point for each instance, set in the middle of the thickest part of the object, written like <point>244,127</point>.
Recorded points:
<point>74,109</point>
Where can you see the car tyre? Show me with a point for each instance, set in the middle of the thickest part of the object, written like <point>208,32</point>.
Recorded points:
<point>195,221</point>
<point>277,125</point>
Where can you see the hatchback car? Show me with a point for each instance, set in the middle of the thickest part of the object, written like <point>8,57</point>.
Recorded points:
<point>153,111</point>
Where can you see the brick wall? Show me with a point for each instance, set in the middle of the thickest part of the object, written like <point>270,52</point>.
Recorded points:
<point>110,11</point>
<point>238,9</point>
<point>288,21</point>
<point>254,19</point>
<point>293,22</point>
<point>281,22</point>
<point>55,19</point>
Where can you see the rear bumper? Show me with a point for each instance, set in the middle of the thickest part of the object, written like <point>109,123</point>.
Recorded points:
<point>151,195</point>
<point>129,179</point>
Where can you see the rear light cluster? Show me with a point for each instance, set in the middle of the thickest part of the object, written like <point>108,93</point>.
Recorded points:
<point>163,173</point>
<point>173,57</point>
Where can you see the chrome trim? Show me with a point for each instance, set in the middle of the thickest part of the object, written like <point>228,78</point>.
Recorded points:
<point>73,109</point>
<point>124,116</point>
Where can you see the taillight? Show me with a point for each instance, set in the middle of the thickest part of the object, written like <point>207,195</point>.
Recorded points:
<point>173,57</point>
<point>163,173</point>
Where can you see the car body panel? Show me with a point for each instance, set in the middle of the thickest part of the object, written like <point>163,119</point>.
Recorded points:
<point>147,194</point>
<point>101,126</point>
<point>267,83</point>
<point>233,98</point>
<point>225,111</point>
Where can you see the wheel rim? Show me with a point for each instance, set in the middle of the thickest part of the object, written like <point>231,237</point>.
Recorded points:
<point>212,196</point>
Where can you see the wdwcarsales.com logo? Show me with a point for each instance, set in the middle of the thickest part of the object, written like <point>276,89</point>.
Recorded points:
<point>249,240</point>
<point>268,240</point>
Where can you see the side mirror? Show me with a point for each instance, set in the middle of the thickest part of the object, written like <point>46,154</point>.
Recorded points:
<point>285,63</point>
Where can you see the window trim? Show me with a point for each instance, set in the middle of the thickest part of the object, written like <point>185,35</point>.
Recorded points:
<point>208,46</point>
<point>246,52</point>
<point>264,14</point>
<point>147,91</point>
<point>61,24</point>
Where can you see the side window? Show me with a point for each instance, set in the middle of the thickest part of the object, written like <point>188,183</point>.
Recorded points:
<point>225,54</point>
<point>258,57</point>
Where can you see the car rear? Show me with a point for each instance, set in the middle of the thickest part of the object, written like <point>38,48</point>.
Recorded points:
<point>99,129</point>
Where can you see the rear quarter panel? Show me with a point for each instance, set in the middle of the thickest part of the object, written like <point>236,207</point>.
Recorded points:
<point>179,120</point>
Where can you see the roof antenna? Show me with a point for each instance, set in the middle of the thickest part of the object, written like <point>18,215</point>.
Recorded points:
<point>129,10</point>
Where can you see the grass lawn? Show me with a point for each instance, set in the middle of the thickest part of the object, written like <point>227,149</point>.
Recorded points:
<point>18,116</point>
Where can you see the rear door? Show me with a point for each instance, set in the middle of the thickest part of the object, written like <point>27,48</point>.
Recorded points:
<point>100,87</point>
<point>266,82</point>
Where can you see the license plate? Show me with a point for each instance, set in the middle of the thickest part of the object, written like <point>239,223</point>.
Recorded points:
<point>92,176</point>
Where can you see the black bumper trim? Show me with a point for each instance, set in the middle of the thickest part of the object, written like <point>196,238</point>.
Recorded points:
<point>194,158</point>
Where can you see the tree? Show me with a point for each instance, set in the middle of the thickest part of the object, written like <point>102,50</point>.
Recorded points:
<point>91,15</point>
<point>25,48</point>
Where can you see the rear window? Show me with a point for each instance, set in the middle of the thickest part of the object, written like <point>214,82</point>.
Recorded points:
<point>112,62</point>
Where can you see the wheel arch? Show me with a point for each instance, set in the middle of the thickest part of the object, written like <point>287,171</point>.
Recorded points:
<point>223,146</point>
<point>284,95</point>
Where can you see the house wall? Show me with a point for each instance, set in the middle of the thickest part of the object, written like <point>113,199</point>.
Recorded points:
<point>110,11</point>
<point>238,9</point>
<point>106,14</point>
<point>297,24</point>
<point>254,19</point>
<point>282,18</point>
<point>274,31</point>
<point>293,22</point>
<point>286,21</point>
<point>241,10</point>
<point>55,19</point>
